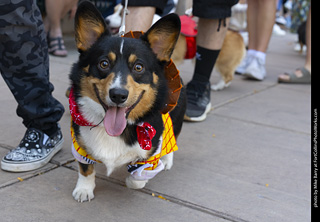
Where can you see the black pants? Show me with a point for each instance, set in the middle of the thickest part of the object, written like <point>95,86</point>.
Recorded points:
<point>24,64</point>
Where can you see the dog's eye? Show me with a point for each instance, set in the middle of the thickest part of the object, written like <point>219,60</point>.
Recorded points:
<point>138,67</point>
<point>104,64</point>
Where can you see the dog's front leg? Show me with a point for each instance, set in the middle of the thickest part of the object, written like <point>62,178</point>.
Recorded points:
<point>167,161</point>
<point>135,184</point>
<point>86,183</point>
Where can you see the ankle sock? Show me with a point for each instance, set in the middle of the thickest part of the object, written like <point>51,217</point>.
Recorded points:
<point>261,55</point>
<point>257,54</point>
<point>205,60</point>
<point>251,52</point>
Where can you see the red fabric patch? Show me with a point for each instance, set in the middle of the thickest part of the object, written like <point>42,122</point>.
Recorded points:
<point>191,47</point>
<point>74,111</point>
<point>188,26</point>
<point>189,30</point>
<point>145,133</point>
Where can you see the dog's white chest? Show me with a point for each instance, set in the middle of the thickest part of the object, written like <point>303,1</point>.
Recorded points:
<point>112,151</point>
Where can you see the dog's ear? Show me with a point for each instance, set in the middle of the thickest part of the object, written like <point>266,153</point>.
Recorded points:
<point>89,25</point>
<point>163,35</point>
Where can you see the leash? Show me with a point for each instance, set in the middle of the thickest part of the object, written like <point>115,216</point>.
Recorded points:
<point>123,21</point>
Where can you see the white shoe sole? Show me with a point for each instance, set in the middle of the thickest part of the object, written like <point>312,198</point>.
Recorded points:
<point>251,76</point>
<point>199,118</point>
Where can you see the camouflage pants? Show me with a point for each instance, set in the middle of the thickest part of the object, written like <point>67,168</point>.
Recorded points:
<point>24,64</point>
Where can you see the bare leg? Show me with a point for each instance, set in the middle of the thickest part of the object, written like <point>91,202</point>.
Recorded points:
<point>307,64</point>
<point>261,17</point>
<point>308,42</point>
<point>56,10</point>
<point>208,36</point>
<point>139,18</point>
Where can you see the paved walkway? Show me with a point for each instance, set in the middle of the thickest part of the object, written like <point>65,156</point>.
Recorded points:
<point>249,161</point>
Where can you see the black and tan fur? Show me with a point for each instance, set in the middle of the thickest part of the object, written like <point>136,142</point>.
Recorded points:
<point>122,72</point>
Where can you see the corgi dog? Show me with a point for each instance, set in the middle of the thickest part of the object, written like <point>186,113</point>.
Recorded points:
<point>125,109</point>
<point>232,52</point>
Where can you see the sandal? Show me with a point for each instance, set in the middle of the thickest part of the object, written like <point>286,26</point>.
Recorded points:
<point>56,47</point>
<point>293,78</point>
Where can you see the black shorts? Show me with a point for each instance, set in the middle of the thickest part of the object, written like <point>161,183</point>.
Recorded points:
<point>158,4</point>
<point>213,9</point>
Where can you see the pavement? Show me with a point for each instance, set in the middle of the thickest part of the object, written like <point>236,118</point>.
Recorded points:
<point>248,161</point>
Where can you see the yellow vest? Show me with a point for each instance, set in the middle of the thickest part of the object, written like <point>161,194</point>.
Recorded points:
<point>168,145</point>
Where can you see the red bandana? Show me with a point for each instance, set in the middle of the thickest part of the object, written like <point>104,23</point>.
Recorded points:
<point>75,113</point>
<point>145,132</point>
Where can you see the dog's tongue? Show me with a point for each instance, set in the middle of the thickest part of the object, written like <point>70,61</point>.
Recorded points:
<point>115,121</point>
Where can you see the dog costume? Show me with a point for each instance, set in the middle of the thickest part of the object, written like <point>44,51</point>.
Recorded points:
<point>141,170</point>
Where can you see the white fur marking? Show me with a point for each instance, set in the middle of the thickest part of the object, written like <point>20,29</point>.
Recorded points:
<point>220,85</point>
<point>92,111</point>
<point>117,82</point>
<point>84,188</point>
<point>112,151</point>
<point>167,161</point>
<point>121,46</point>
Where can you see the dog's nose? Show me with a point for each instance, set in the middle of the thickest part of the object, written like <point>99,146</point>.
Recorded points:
<point>118,95</point>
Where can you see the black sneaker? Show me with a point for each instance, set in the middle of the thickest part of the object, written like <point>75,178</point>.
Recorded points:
<point>198,101</point>
<point>34,151</point>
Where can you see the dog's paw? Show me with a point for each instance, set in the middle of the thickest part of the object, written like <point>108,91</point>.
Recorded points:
<point>84,188</point>
<point>220,85</point>
<point>135,184</point>
<point>167,161</point>
<point>82,194</point>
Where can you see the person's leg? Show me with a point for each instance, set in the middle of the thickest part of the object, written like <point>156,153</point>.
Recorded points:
<point>252,14</point>
<point>136,22</point>
<point>209,43</point>
<point>211,34</point>
<point>308,42</point>
<point>141,13</point>
<point>24,65</point>
<point>260,19</point>
<point>298,74</point>
<point>56,10</point>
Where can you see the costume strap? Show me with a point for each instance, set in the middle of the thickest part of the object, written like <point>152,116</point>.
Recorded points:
<point>78,152</point>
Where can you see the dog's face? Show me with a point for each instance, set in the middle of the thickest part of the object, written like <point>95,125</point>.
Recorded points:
<point>120,79</point>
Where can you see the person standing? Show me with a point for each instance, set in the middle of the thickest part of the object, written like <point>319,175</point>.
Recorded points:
<point>24,66</point>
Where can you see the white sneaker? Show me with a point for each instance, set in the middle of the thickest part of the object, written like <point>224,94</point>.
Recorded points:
<point>255,69</point>
<point>243,65</point>
<point>278,31</point>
